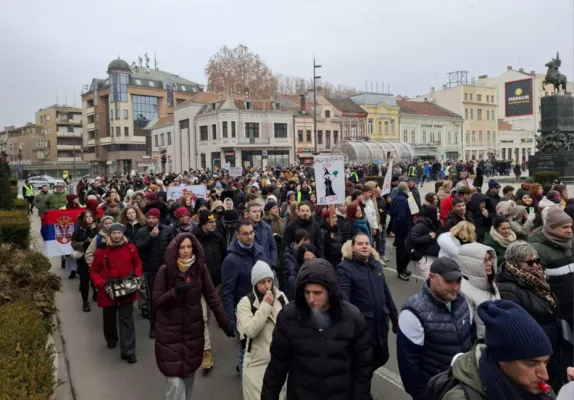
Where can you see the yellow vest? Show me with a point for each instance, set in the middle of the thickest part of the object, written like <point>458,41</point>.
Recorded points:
<point>29,190</point>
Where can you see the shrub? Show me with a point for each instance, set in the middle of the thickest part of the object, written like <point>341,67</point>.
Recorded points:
<point>6,199</point>
<point>546,177</point>
<point>26,362</point>
<point>14,192</point>
<point>15,228</point>
<point>21,204</point>
<point>13,182</point>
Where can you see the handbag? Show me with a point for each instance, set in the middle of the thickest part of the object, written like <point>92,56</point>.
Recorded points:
<point>120,288</point>
<point>76,255</point>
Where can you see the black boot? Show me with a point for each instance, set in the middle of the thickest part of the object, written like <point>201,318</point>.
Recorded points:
<point>86,307</point>
<point>152,334</point>
<point>129,359</point>
<point>403,277</point>
<point>72,275</point>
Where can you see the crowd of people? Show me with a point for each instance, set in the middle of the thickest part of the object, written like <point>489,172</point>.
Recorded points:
<point>302,289</point>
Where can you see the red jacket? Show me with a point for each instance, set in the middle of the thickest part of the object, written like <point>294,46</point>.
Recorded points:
<point>445,208</point>
<point>123,261</point>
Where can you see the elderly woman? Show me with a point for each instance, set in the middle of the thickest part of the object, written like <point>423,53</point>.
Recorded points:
<point>177,294</point>
<point>500,237</point>
<point>522,280</point>
<point>118,260</point>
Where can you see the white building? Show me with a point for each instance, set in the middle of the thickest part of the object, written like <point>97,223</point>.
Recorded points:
<point>242,132</point>
<point>433,131</point>
<point>515,144</point>
<point>162,139</point>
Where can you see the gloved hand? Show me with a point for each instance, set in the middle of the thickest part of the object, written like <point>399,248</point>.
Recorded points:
<point>531,217</point>
<point>182,288</point>
<point>395,322</point>
<point>229,331</point>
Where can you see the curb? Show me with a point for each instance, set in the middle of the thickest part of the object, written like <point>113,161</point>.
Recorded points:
<point>63,389</point>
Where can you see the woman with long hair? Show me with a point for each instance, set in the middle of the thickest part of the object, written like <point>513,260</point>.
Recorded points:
<point>81,239</point>
<point>537,192</point>
<point>563,190</point>
<point>500,237</point>
<point>357,223</point>
<point>450,242</point>
<point>423,239</point>
<point>133,219</point>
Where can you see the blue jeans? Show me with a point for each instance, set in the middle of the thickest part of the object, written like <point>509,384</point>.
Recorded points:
<point>241,354</point>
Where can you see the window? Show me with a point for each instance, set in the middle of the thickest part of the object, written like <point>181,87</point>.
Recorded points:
<point>413,137</point>
<point>224,129</point>
<point>353,131</point>
<point>214,131</point>
<point>449,138</point>
<point>473,137</point>
<point>487,137</point>
<point>492,99</point>
<point>471,113</point>
<point>203,163</point>
<point>386,127</point>
<point>48,117</point>
<point>424,136</point>
<point>162,139</point>
<point>156,143</point>
<point>466,113</point>
<point>335,137</point>
<point>300,136</point>
<point>70,129</point>
<point>327,114</point>
<point>126,131</point>
<point>456,138</point>
<point>439,137</point>
<point>432,137</point>
<point>118,131</point>
<point>144,110</point>
<point>467,137</point>
<point>466,97</point>
<point>248,105</point>
<point>392,126</point>
<point>126,114</point>
<point>370,128</point>
<point>169,138</point>
<point>470,96</point>
<point>319,137</point>
<point>479,114</point>
<point>309,137</point>
<point>232,129</point>
<point>478,97</point>
<point>488,98</point>
<point>203,133</point>
<point>480,137</point>
<point>345,131</point>
<point>380,130</point>
<point>361,130</point>
<point>328,139</point>
<point>251,130</point>
<point>280,130</point>
<point>405,135</point>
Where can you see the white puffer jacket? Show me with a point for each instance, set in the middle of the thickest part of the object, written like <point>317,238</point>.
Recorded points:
<point>449,246</point>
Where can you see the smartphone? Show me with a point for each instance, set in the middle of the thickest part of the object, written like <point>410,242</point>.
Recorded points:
<point>531,210</point>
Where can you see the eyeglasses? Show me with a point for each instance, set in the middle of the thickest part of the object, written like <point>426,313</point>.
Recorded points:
<point>530,263</point>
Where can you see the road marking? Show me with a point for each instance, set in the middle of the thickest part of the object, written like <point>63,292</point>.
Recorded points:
<point>412,276</point>
<point>390,376</point>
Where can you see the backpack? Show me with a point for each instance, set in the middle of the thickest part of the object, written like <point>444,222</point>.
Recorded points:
<point>245,343</point>
<point>414,255</point>
<point>439,385</point>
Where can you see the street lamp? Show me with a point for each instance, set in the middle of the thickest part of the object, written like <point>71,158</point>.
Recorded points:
<point>315,77</point>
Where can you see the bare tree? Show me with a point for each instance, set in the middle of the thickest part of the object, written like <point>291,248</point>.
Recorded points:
<point>237,70</point>
<point>297,85</point>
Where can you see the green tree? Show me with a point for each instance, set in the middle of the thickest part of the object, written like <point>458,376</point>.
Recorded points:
<point>6,199</point>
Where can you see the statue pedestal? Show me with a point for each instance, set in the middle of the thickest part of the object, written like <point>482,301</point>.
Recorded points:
<point>560,161</point>
<point>557,112</point>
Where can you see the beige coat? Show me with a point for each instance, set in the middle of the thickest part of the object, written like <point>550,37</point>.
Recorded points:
<point>258,329</point>
<point>91,250</point>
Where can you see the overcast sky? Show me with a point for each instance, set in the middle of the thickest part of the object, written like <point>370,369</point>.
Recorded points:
<point>52,48</point>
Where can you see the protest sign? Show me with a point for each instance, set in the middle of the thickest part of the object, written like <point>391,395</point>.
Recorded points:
<point>177,192</point>
<point>330,179</point>
<point>388,178</point>
<point>235,171</point>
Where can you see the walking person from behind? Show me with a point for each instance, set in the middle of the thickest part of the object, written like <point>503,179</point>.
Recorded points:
<point>81,239</point>
<point>401,224</point>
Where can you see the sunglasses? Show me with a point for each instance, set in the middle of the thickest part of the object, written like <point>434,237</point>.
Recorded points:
<point>530,263</point>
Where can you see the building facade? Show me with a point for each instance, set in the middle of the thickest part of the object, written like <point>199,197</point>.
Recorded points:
<point>383,115</point>
<point>117,110</point>
<point>515,144</point>
<point>478,104</point>
<point>162,139</point>
<point>353,117</point>
<point>433,131</point>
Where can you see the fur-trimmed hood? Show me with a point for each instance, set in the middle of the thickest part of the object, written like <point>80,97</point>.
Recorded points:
<point>347,251</point>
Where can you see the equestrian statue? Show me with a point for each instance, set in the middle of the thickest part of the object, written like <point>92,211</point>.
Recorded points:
<point>553,75</point>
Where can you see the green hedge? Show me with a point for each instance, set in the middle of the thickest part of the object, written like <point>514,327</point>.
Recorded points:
<point>14,191</point>
<point>21,204</point>
<point>13,182</point>
<point>15,228</point>
<point>26,362</point>
<point>546,177</point>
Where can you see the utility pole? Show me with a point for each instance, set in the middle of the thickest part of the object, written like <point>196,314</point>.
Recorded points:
<point>315,77</point>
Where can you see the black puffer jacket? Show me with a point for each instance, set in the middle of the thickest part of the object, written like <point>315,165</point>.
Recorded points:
<point>152,250</point>
<point>290,271</point>
<point>331,362</point>
<point>333,242</point>
<point>310,226</point>
<point>420,237</point>
<point>215,250</point>
<point>481,223</point>
<point>454,218</point>
<point>131,230</point>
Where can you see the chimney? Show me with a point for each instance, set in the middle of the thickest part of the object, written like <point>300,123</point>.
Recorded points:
<point>509,67</point>
<point>532,73</point>
<point>482,76</point>
<point>303,105</point>
<point>432,89</point>
<point>520,69</point>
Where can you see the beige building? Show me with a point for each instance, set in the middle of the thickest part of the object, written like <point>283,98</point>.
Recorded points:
<point>478,104</point>
<point>514,143</point>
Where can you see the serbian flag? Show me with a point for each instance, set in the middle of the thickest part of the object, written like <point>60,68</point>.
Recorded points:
<point>57,229</point>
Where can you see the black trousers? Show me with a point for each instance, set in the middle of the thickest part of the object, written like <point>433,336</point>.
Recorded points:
<point>403,259</point>
<point>152,312</point>
<point>380,355</point>
<point>84,272</point>
<point>124,314</point>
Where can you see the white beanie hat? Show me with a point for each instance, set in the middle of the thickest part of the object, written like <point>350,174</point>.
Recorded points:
<point>261,270</point>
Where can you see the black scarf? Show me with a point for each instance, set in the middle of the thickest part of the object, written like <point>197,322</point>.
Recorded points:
<point>498,385</point>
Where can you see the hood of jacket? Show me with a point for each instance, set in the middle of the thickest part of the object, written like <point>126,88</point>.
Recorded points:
<point>139,193</point>
<point>517,212</point>
<point>347,251</point>
<point>475,200</point>
<point>471,262</point>
<point>172,252</point>
<point>538,237</point>
<point>545,203</point>
<point>321,272</point>
<point>216,203</point>
<point>465,368</point>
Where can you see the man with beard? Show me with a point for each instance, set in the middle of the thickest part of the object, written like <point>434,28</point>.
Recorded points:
<point>40,201</point>
<point>152,241</point>
<point>182,221</point>
<point>228,225</point>
<point>152,201</point>
<point>263,233</point>
<point>304,221</point>
<point>305,193</point>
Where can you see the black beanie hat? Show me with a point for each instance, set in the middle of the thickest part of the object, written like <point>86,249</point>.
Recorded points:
<point>205,216</point>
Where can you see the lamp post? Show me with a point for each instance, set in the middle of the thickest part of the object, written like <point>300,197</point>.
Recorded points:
<point>315,77</point>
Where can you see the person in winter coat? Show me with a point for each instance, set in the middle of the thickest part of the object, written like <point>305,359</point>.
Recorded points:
<point>332,237</point>
<point>273,219</point>
<point>444,191</point>
<point>100,240</point>
<point>57,199</point>
<point>447,205</point>
<point>256,317</point>
<point>493,196</point>
<point>139,200</point>
<point>133,219</point>
<point>81,239</point>
<point>227,227</point>
<point>181,286</point>
<point>290,265</point>
<point>181,222</point>
<point>512,364</point>
<point>412,184</point>
<point>401,224</point>
<point>263,233</point>
<point>242,255</point>
<point>305,221</point>
<point>479,216</point>
<point>363,284</point>
<point>478,265</point>
<point>423,239</point>
<point>152,241</point>
<point>500,237</point>
<point>41,199</point>
<point>152,202</point>
<point>118,260</point>
<point>522,280</point>
<point>357,223</point>
<point>458,213</point>
<point>321,343</point>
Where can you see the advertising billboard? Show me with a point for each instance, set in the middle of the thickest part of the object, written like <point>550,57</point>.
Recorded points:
<point>519,98</point>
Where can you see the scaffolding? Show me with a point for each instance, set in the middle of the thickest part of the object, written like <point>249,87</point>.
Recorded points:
<point>360,152</point>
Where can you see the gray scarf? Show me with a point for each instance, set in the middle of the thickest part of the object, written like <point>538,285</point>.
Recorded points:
<point>117,244</point>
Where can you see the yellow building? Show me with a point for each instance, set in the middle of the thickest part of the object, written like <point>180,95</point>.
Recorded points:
<point>383,115</point>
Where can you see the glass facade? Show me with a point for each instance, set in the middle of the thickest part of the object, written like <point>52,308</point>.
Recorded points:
<point>119,86</point>
<point>360,152</point>
<point>144,110</point>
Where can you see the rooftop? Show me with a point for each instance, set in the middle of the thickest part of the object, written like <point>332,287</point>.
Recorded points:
<point>345,105</point>
<point>238,103</point>
<point>374,99</point>
<point>160,122</point>
<point>504,126</point>
<point>425,108</point>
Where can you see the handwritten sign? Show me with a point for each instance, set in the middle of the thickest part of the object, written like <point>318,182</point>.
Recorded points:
<point>330,179</point>
<point>177,192</point>
<point>388,178</point>
<point>235,171</point>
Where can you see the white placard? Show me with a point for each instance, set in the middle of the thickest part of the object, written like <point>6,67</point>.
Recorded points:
<point>330,179</point>
<point>388,178</point>
<point>177,192</point>
<point>235,171</point>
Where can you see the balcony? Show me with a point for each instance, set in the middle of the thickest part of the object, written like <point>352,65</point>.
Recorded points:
<point>252,141</point>
<point>91,142</point>
<point>89,110</point>
<point>91,126</point>
<point>69,134</point>
<point>69,159</point>
<point>69,146</point>
<point>65,120</point>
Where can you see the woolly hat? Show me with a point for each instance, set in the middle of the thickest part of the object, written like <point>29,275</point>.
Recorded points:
<point>153,187</point>
<point>181,211</point>
<point>117,227</point>
<point>290,192</point>
<point>153,212</point>
<point>511,333</point>
<point>151,196</point>
<point>230,216</point>
<point>553,196</point>
<point>71,197</point>
<point>504,208</point>
<point>105,218</point>
<point>92,204</point>
<point>269,206</point>
<point>129,194</point>
<point>272,198</point>
<point>261,270</point>
<point>255,184</point>
<point>205,216</point>
<point>556,217</point>
<point>493,184</point>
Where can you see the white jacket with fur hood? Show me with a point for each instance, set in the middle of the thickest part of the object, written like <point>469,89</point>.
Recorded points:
<point>475,284</point>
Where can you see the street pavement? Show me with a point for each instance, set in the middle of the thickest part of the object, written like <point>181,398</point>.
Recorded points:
<point>95,372</point>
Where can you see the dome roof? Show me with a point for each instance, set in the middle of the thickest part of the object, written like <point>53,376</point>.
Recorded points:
<point>119,64</point>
